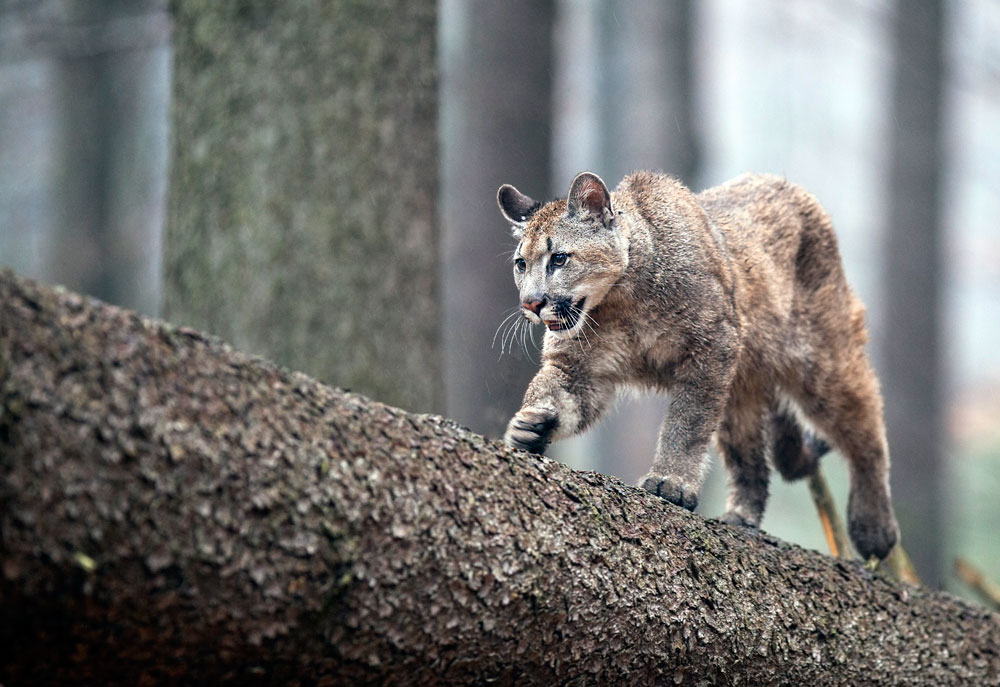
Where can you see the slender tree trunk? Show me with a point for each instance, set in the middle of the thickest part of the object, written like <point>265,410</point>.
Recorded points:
<point>497,93</point>
<point>648,96</point>
<point>647,118</point>
<point>90,142</point>
<point>174,512</point>
<point>304,184</point>
<point>911,346</point>
<point>626,102</point>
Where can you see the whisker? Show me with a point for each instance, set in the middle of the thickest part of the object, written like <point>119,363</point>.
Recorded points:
<point>517,333</point>
<point>531,336</point>
<point>512,314</point>
<point>583,317</point>
<point>583,335</point>
<point>509,325</point>
<point>508,334</point>
<point>503,337</point>
<point>588,321</point>
<point>564,322</point>
<point>583,332</point>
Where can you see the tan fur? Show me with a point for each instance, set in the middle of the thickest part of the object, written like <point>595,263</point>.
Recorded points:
<point>733,300</point>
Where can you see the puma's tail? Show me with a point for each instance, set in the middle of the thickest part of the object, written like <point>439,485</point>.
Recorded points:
<point>796,450</point>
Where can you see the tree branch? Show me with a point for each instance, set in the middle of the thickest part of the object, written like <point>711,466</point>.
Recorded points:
<point>829,516</point>
<point>972,576</point>
<point>174,511</point>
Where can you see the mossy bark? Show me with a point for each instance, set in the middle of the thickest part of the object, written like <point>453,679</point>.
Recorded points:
<point>173,511</point>
<point>301,215</point>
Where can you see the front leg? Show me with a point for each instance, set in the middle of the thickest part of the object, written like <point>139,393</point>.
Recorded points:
<point>695,411</point>
<point>531,429</point>
<point>557,404</point>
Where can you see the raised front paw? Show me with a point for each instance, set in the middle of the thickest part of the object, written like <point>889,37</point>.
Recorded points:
<point>670,488</point>
<point>531,429</point>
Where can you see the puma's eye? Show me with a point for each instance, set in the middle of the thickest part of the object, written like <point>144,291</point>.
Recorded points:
<point>558,259</point>
<point>519,264</point>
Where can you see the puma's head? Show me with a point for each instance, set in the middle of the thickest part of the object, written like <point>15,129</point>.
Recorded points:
<point>570,252</point>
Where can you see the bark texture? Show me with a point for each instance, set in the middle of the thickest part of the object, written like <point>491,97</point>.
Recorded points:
<point>173,511</point>
<point>301,214</point>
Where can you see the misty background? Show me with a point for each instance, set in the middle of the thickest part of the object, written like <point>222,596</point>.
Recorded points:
<point>316,183</point>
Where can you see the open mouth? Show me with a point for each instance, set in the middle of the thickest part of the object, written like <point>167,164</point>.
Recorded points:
<point>567,315</point>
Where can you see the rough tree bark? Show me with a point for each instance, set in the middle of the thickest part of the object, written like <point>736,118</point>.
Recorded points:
<point>175,511</point>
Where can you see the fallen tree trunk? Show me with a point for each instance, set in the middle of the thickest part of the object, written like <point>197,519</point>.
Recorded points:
<point>175,511</point>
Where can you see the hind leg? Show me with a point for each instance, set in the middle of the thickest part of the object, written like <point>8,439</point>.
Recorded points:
<point>742,441</point>
<point>847,407</point>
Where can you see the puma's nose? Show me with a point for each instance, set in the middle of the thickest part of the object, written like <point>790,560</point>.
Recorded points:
<point>534,304</point>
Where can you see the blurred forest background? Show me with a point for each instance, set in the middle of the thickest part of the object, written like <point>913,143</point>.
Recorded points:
<point>315,182</point>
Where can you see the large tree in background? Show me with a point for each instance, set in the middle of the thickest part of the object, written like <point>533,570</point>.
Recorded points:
<point>911,346</point>
<point>496,100</point>
<point>301,216</point>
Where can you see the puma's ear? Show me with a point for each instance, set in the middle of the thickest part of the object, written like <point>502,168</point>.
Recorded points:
<point>589,194</point>
<point>515,206</point>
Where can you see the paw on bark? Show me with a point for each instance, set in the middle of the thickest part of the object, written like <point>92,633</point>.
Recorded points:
<point>531,429</point>
<point>670,488</point>
<point>871,523</point>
